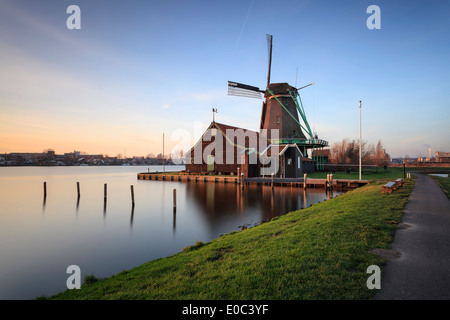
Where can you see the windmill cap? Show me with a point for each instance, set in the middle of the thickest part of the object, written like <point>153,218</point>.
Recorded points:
<point>279,88</point>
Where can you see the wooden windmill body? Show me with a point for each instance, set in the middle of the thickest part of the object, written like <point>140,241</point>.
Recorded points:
<point>283,119</point>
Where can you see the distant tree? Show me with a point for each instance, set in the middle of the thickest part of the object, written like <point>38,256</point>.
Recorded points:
<point>380,157</point>
<point>177,156</point>
<point>347,152</point>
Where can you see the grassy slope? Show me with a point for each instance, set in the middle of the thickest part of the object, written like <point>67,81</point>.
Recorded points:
<point>444,183</point>
<point>392,174</point>
<point>321,252</point>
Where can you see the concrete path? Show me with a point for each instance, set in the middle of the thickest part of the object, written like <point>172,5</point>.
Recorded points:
<point>422,271</point>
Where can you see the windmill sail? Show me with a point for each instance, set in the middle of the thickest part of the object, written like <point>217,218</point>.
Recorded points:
<point>269,51</point>
<point>243,90</point>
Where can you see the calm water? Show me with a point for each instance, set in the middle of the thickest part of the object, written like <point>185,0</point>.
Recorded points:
<point>40,239</point>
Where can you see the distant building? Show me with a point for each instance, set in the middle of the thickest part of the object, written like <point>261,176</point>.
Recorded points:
<point>73,155</point>
<point>28,155</point>
<point>442,156</point>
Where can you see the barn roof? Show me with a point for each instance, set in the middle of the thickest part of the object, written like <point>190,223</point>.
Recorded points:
<point>252,139</point>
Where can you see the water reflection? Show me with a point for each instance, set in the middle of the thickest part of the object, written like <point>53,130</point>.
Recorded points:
<point>109,243</point>
<point>132,216</point>
<point>43,204</point>
<point>78,203</point>
<point>174,225</point>
<point>329,194</point>
<point>255,203</point>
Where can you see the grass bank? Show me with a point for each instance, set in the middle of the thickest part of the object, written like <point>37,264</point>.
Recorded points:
<point>444,183</point>
<point>391,173</point>
<point>321,252</point>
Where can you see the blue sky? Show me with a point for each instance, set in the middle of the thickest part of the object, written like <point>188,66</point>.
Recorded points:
<point>138,69</point>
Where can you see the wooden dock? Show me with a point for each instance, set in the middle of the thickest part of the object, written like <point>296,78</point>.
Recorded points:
<point>290,182</point>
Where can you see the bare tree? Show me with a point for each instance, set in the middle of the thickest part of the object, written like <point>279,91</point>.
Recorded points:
<point>380,157</point>
<point>347,152</point>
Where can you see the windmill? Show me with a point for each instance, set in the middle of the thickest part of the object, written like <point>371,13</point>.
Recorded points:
<point>281,108</point>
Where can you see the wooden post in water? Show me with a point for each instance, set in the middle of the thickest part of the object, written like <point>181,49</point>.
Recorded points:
<point>105,193</point>
<point>78,189</point>
<point>45,189</point>
<point>304,180</point>
<point>174,200</point>
<point>242,180</point>
<point>272,181</point>
<point>132,195</point>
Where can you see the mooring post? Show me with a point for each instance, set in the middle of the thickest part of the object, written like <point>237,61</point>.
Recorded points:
<point>272,181</point>
<point>242,180</point>
<point>45,189</point>
<point>174,200</point>
<point>78,189</point>
<point>304,180</point>
<point>105,192</point>
<point>132,195</point>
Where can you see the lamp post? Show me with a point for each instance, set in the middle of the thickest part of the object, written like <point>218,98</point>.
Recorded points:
<point>360,151</point>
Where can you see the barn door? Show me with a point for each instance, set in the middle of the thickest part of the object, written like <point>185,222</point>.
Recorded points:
<point>210,163</point>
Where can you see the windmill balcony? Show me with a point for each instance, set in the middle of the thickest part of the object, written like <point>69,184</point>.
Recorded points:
<point>303,142</point>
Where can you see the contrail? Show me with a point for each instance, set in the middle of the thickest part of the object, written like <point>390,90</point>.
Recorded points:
<point>243,26</point>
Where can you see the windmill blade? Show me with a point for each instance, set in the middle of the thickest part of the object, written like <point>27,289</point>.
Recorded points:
<point>243,90</point>
<point>305,86</point>
<point>269,51</point>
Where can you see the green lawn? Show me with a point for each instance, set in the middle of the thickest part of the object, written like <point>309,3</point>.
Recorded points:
<point>321,252</point>
<point>444,183</point>
<point>391,174</point>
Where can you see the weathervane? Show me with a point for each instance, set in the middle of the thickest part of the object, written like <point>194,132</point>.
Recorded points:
<point>214,111</point>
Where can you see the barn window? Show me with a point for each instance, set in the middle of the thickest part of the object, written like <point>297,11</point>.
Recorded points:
<point>289,161</point>
<point>278,119</point>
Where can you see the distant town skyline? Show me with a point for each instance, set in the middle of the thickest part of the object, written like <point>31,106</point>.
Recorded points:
<point>139,69</point>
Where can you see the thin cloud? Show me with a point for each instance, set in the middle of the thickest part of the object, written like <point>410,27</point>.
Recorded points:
<point>413,139</point>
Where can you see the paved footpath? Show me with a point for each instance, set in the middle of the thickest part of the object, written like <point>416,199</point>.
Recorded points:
<point>423,270</point>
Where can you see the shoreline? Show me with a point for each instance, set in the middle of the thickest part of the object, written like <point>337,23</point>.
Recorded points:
<point>260,262</point>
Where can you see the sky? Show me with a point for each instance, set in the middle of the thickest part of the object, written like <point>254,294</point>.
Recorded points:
<point>140,72</point>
